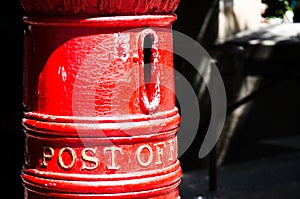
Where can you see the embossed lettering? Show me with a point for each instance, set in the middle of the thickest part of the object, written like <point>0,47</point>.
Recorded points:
<point>113,150</point>
<point>94,160</point>
<point>159,152</point>
<point>140,159</point>
<point>172,149</point>
<point>47,154</point>
<point>73,157</point>
<point>88,159</point>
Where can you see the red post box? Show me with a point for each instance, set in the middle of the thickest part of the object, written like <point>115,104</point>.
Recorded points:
<point>100,118</point>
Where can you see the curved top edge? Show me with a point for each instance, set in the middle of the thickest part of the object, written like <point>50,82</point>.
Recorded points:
<point>98,7</point>
<point>109,22</point>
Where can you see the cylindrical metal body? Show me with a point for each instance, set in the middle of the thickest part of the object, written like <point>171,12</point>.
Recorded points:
<point>99,122</point>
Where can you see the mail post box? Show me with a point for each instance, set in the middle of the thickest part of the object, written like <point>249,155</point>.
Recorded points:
<point>100,119</point>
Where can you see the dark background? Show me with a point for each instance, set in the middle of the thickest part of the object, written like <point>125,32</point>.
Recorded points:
<point>12,138</point>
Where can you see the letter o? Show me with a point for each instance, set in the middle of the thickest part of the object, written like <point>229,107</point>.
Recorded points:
<point>139,159</point>
<point>73,155</point>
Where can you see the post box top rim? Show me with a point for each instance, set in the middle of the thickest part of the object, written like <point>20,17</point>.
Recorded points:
<point>104,22</point>
<point>98,8</point>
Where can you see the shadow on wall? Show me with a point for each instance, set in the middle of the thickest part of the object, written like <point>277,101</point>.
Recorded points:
<point>238,15</point>
<point>229,60</point>
<point>229,18</point>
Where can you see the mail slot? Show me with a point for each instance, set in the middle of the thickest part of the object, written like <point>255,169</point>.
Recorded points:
<point>100,119</point>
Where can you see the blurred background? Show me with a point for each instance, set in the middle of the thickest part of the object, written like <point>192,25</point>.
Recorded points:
<point>255,45</point>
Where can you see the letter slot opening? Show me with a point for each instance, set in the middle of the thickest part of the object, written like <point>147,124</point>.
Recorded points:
<point>147,49</point>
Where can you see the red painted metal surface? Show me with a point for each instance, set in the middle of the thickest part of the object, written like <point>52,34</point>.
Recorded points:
<point>95,128</point>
